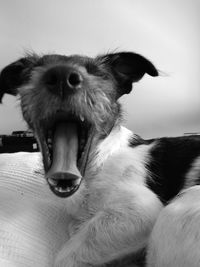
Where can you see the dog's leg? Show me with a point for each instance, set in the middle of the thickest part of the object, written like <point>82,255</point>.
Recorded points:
<point>120,229</point>
<point>175,239</point>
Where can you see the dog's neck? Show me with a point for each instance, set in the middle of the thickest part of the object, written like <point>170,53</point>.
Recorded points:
<point>118,138</point>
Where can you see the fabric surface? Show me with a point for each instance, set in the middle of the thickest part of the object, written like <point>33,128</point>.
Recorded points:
<point>32,218</point>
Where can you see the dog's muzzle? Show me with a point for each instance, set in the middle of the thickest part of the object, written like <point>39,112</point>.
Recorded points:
<point>65,132</point>
<point>63,135</point>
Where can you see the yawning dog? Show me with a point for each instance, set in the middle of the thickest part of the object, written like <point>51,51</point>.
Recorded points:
<point>115,183</point>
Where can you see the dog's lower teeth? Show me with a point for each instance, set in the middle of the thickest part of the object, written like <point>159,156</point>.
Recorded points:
<point>64,190</point>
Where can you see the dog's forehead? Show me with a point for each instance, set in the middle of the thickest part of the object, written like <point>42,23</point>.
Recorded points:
<point>94,66</point>
<point>60,59</point>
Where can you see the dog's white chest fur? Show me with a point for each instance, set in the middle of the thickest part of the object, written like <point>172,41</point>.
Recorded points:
<point>104,214</point>
<point>118,162</point>
<point>115,169</point>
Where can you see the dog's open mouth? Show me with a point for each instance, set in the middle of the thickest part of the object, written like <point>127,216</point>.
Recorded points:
<point>65,143</point>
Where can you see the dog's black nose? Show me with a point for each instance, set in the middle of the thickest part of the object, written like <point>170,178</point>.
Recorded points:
<point>61,80</point>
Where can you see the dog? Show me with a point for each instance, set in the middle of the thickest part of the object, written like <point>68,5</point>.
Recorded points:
<point>116,184</point>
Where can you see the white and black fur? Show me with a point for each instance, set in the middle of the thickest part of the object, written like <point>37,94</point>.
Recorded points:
<point>127,180</point>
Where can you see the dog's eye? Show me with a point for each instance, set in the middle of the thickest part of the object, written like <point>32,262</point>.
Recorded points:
<point>92,68</point>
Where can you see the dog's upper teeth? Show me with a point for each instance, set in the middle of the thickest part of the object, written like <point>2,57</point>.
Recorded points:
<point>82,118</point>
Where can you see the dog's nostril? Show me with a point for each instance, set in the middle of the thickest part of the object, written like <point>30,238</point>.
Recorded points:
<point>74,80</point>
<point>52,80</point>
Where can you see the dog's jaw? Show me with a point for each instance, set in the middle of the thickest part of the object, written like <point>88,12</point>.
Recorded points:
<point>65,147</point>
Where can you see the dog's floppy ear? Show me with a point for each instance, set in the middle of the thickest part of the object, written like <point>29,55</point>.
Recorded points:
<point>14,75</point>
<point>128,67</point>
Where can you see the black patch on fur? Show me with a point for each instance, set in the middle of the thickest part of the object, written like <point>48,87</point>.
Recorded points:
<point>171,159</point>
<point>136,140</point>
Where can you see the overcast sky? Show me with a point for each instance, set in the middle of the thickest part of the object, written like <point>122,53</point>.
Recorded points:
<point>166,32</point>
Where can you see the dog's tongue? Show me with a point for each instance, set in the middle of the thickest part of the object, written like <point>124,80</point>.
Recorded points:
<point>65,151</point>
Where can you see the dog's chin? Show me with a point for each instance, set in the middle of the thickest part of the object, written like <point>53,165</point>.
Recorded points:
<point>65,143</point>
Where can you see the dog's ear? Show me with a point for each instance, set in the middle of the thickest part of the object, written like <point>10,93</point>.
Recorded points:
<point>127,68</point>
<point>14,75</point>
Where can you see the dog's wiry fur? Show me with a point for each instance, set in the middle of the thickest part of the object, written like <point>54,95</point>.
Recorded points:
<point>127,180</point>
